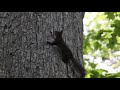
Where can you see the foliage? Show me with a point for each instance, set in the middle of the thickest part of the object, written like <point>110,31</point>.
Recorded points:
<point>103,35</point>
<point>100,73</point>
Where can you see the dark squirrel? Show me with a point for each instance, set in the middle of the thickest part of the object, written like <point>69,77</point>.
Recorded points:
<point>66,53</point>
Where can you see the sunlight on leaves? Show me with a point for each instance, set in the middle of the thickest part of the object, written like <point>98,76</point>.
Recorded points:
<point>101,40</point>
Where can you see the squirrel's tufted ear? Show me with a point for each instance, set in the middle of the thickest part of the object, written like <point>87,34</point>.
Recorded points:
<point>61,32</point>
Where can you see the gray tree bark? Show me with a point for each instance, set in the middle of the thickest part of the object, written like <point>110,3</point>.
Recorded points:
<point>23,49</point>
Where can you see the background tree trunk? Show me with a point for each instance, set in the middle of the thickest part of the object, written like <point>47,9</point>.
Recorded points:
<point>23,48</point>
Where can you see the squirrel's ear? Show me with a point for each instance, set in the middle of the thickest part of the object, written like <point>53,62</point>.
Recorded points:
<point>61,32</point>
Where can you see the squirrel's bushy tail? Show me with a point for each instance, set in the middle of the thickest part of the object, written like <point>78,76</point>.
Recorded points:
<point>79,68</point>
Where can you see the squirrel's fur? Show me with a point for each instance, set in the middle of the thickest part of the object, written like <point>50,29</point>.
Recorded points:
<point>66,53</point>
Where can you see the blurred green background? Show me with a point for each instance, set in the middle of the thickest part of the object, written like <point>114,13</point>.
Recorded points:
<point>101,49</point>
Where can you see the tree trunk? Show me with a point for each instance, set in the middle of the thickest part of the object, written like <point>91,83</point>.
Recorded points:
<point>23,49</point>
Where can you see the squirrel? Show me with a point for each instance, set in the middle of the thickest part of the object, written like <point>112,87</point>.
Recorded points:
<point>66,53</point>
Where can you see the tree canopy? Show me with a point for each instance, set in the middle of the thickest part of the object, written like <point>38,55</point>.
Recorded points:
<point>102,44</point>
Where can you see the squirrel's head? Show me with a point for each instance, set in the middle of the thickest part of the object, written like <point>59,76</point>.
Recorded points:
<point>58,33</point>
